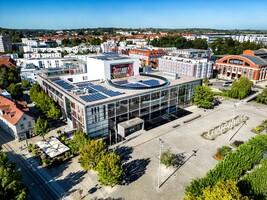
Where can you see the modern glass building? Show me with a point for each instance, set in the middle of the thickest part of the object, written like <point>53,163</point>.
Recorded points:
<point>113,109</point>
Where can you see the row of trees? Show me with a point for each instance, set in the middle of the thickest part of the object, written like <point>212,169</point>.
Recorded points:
<point>44,102</point>
<point>179,42</point>
<point>233,167</point>
<point>78,41</point>
<point>223,46</point>
<point>11,186</point>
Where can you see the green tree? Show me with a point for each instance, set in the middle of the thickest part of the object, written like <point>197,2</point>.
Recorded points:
<point>262,97</point>
<point>53,112</point>
<point>41,127</point>
<point>15,90</point>
<point>109,169</point>
<point>11,186</point>
<point>8,75</point>
<point>91,154</point>
<point>203,97</point>
<point>223,46</point>
<point>79,140</point>
<point>240,88</point>
<point>25,83</point>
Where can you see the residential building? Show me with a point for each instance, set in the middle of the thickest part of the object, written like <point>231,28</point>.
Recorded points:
<point>15,121</point>
<point>5,44</point>
<point>42,55</point>
<point>251,64</point>
<point>147,57</point>
<point>194,67</point>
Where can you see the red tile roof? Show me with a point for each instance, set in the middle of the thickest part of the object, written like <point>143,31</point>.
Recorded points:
<point>9,110</point>
<point>7,62</point>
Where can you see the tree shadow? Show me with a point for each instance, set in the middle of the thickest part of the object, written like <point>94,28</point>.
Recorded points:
<point>246,189</point>
<point>71,180</point>
<point>133,170</point>
<point>124,152</point>
<point>179,159</point>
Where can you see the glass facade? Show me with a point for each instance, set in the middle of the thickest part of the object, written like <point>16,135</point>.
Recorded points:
<point>102,120</point>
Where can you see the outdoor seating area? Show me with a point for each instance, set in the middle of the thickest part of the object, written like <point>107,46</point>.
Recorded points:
<point>50,151</point>
<point>52,147</point>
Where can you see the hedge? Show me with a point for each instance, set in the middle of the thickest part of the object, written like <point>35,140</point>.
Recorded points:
<point>254,184</point>
<point>235,165</point>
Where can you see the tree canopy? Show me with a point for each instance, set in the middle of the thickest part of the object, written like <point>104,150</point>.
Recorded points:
<point>11,186</point>
<point>15,90</point>
<point>223,46</point>
<point>180,42</point>
<point>44,102</point>
<point>109,169</point>
<point>79,140</point>
<point>91,154</point>
<point>203,97</point>
<point>262,97</point>
<point>41,127</point>
<point>240,88</point>
<point>8,76</point>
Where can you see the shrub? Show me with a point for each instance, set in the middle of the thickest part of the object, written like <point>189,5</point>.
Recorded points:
<point>223,190</point>
<point>254,184</point>
<point>168,159</point>
<point>222,152</point>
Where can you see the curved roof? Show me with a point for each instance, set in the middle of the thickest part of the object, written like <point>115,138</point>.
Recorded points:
<point>257,60</point>
<point>251,59</point>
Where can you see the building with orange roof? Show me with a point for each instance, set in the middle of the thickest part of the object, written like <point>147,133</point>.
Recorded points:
<point>251,64</point>
<point>6,61</point>
<point>15,121</point>
<point>147,57</point>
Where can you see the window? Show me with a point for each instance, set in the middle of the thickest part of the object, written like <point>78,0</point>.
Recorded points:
<point>30,124</point>
<point>22,126</point>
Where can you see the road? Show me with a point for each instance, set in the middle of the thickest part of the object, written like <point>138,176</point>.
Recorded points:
<point>38,189</point>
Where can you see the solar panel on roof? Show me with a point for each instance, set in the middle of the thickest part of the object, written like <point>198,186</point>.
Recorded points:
<point>64,84</point>
<point>93,97</point>
<point>98,87</point>
<point>151,82</point>
<point>111,93</point>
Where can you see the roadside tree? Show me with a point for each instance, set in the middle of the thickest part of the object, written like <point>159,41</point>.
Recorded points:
<point>41,127</point>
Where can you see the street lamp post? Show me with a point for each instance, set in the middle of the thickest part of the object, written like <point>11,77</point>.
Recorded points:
<point>160,146</point>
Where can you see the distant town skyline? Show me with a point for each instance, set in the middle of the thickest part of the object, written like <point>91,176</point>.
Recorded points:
<point>69,14</point>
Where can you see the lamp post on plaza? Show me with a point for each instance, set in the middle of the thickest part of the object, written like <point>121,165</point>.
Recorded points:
<point>160,146</point>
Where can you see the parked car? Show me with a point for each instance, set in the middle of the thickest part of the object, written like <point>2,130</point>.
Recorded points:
<point>227,83</point>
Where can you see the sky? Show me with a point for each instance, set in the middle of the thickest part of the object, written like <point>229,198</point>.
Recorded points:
<point>71,14</point>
